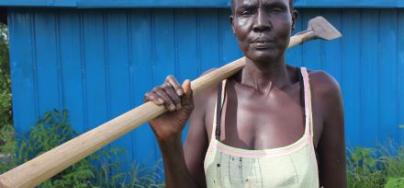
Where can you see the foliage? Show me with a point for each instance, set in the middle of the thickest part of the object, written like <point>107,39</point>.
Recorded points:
<point>376,168</point>
<point>6,129</point>
<point>362,169</point>
<point>98,170</point>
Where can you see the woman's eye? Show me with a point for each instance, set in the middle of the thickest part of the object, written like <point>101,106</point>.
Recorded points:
<point>277,10</point>
<point>244,12</point>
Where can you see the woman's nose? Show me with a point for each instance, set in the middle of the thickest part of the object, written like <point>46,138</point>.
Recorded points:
<point>262,22</point>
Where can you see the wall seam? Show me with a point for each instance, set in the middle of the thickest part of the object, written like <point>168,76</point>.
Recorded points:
<point>35,65</point>
<point>174,15</point>
<point>198,40</point>
<point>106,62</point>
<point>83,71</point>
<point>130,69</point>
<point>59,62</point>
<point>379,75</point>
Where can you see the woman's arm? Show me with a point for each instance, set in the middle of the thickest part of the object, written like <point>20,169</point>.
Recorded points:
<point>331,146</point>
<point>182,166</point>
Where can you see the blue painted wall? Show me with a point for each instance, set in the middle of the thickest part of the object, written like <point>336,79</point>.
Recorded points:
<point>99,63</point>
<point>195,3</point>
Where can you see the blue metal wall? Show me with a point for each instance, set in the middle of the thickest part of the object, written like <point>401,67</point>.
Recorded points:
<point>194,3</point>
<point>99,63</point>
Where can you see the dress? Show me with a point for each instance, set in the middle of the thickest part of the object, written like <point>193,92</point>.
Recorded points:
<point>292,166</point>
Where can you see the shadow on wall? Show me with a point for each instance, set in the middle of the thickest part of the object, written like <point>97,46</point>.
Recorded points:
<point>3,16</point>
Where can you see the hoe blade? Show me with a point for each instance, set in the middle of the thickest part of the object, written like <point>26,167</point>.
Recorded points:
<point>323,29</point>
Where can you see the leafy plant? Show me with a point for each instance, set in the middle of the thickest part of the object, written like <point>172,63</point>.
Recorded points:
<point>6,129</point>
<point>379,167</point>
<point>362,169</point>
<point>101,169</point>
<point>50,131</point>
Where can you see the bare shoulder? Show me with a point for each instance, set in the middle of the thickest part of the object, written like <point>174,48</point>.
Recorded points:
<point>326,92</point>
<point>323,84</point>
<point>201,99</point>
<point>327,104</point>
<point>204,101</point>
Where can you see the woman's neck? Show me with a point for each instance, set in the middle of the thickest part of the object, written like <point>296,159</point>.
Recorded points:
<point>265,76</point>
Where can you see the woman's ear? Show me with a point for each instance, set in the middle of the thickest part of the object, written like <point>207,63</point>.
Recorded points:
<point>295,15</point>
<point>231,23</point>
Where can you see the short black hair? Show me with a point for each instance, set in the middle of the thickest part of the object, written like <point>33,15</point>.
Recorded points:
<point>291,2</point>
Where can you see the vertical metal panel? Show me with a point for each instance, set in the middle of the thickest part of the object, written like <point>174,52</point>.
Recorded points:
<point>369,77</point>
<point>350,83</point>
<point>69,36</point>
<point>141,52</point>
<point>401,74</point>
<point>23,70</point>
<point>119,68</point>
<point>96,75</point>
<point>388,75</point>
<point>98,64</point>
<point>207,22</point>
<point>47,62</point>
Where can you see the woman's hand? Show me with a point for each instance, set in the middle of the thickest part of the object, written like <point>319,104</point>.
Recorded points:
<point>179,103</point>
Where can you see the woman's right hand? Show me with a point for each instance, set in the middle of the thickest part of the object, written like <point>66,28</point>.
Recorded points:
<point>178,101</point>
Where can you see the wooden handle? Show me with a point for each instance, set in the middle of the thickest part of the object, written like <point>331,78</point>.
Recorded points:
<point>45,166</point>
<point>301,37</point>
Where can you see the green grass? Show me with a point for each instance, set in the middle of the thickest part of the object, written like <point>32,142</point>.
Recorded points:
<point>376,167</point>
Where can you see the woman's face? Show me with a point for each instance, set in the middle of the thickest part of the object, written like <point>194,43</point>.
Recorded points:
<point>263,27</point>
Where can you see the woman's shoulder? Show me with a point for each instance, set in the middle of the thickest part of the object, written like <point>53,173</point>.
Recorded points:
<point>323,84</point>
<point>205,98</point>
<point>326,95</point>
<point>327,103</point>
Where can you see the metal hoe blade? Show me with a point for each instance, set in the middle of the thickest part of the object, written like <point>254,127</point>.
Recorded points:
<point>323,29</point>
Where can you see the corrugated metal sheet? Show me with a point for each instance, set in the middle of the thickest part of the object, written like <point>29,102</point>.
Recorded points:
<point>195,3</point>
<point>98,64</point>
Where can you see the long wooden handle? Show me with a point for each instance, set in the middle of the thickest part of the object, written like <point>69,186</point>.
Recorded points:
<point>301,37</point>
<point>45,166</point>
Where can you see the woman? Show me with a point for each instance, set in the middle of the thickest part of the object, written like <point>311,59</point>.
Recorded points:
<point>270,125</point>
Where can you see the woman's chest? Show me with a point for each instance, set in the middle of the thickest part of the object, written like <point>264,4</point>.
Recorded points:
<point>259,123</point>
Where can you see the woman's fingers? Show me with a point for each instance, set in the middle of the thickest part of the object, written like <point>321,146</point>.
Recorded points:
<point>174,83</point>
<point>168,102</point>
<point>153,98</point>
<point>187,101</point>
<point>171,94</point>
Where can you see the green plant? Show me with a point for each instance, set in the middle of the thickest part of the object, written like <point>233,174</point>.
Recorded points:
<point>6,129</point>
<point>394,163</point>
<point>362,169</point>
<point>144,177</point>
<point>395,183</point>
<point>374,168</point>
<point>101,169</point>
<point>50,131</point>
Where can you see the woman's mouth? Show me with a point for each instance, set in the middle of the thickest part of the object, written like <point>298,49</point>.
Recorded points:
<point>261,45</point>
